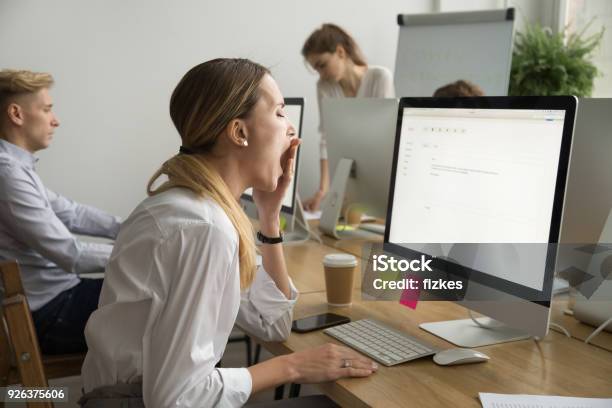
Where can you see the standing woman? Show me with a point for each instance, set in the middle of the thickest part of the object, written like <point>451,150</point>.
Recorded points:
<point>343,73</point>
<point>183,269</point>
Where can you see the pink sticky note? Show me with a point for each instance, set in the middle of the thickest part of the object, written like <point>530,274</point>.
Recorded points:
<point>410,297</point>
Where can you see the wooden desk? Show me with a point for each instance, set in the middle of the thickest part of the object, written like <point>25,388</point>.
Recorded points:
<point>577,329</point>
<point>557,365</point>
<point>305,266</point>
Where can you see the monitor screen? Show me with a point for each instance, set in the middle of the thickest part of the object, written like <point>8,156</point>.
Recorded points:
<point>479,175</point>
<point>293,110</point>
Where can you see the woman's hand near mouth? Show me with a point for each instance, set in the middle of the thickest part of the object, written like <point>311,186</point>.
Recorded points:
<point>269,203</point>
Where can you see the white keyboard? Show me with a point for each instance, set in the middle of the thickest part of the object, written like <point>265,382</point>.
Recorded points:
<point>385,345</point>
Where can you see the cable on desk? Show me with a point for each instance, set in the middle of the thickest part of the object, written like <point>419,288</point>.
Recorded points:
<point>311,234</point>
<point>560,328</point>
<point>598,330</point>
<point>484,326</point>
<point>536,338</point>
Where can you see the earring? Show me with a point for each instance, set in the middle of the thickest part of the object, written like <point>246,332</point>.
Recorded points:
<point>245,143</point>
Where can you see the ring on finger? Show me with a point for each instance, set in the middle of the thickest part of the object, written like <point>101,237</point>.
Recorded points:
<point>346,363</point>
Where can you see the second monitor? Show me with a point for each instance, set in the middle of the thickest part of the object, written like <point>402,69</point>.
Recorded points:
<point>360,136</point>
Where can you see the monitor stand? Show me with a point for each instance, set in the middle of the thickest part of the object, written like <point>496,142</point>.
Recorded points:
<point>297,229</point>
<point>332,206</point>
<point>468,333</point>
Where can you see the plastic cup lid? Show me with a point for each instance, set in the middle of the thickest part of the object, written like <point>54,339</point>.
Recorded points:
<point>339,260</point>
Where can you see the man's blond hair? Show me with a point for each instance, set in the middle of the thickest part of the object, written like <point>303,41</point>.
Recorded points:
<point>15,82</point>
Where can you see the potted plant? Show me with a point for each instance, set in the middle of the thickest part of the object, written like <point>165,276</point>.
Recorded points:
<point>544,63</point>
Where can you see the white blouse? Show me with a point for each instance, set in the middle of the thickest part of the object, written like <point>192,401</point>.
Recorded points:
<point>376,83</point>
<point>170,298</point>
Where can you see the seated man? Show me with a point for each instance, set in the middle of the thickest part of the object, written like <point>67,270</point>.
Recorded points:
<point>36,224</point>
<point>458,88</point>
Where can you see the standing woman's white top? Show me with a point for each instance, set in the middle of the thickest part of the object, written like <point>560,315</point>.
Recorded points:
<point>377,82</point>
<point>172,285</point>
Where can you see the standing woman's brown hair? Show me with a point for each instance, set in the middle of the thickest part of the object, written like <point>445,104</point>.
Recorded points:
<point>204,102</point>
<point>327,38</point>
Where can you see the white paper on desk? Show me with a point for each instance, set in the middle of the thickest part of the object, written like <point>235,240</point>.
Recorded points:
<point>540,401</point>
<point>312,215</point>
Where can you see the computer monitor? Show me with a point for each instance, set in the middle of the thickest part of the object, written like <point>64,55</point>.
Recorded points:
<point>586,229</point>
<point>360,135</point>
<point>588,199</point>
<point>488,170</point>
<point>294,109</point>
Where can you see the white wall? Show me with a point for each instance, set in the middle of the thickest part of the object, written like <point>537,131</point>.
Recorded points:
<point>526,11</point>
<point>533,12</point>
<point>116,63</point>
<point>468,5</point>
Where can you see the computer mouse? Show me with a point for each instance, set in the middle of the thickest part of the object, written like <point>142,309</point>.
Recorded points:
<point>459,356</point>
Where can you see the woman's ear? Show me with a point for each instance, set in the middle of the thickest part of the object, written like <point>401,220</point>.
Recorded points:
<point>238,132</point>
<point>340,51</point>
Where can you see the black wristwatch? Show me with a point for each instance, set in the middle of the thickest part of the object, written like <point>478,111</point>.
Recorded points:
<point>268,240</point>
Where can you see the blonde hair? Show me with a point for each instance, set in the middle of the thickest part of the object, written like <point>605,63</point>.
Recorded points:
<point>207,98</point>
<point>15,82</point>
<point>327,38</point>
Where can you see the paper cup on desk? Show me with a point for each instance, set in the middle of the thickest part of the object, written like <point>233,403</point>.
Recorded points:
<point>339,277</point>
<point>353,216</point>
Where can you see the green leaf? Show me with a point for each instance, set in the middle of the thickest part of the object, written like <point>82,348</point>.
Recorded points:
<point>544,64</point>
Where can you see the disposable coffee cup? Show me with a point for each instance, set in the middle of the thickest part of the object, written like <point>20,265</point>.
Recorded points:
<point>353,217</point>
<point>339,277</point>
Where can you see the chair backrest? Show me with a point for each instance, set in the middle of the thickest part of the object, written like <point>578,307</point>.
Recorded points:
<point>6,352</point>
<point>21,331</point>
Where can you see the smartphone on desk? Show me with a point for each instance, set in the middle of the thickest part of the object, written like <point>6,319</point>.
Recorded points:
<point>317,322</point>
